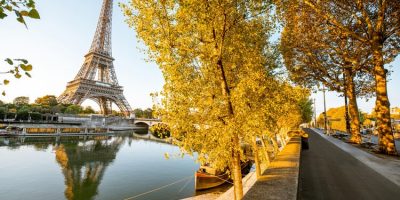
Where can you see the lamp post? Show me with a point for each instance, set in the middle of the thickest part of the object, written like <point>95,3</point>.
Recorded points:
<point>315,114</point>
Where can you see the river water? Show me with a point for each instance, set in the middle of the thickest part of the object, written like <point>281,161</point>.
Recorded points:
<point>96,167</point>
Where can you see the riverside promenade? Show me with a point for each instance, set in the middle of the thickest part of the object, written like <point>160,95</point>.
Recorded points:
<point>329,169</point>
<point>280,179</point>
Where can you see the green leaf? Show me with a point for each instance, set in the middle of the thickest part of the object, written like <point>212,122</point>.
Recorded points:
<point>21,19</point>
<point>22,60</point>
<point>8,7</point>
<point>34,14</point>
<point>3,93</point>
<point>2,15</point>
<point>10,62</point>
<point>26,68</point>
<point>31,4</point>
<point>6,82</point>
<point>28,74</point>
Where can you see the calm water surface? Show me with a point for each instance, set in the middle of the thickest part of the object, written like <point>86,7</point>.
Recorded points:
<point>97,167</point>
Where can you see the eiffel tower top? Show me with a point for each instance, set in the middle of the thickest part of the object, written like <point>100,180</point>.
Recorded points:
<point>102,39</point>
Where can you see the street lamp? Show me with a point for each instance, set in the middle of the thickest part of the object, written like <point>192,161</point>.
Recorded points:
<point>315,114</point>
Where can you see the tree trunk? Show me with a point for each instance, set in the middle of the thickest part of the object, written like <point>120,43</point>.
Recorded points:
<point>265,151</point>
<point>256,158</point>
<point>346,105</point>
<point>382,105</point>
<point>353,107</point>
<point>236,169</point>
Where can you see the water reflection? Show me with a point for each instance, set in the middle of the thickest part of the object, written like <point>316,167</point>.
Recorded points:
<point>89,168</point>
<point>84,163</point>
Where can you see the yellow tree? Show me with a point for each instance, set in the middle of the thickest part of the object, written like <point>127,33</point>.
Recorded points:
<point>375,24</point>
<point>219,89</point>
<point>315,54</point>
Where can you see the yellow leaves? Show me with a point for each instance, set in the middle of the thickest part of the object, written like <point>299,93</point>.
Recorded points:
<point>216,81</point>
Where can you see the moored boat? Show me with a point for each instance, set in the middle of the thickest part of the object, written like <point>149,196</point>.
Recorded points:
<point>3,132</point>
<point>207,177</point>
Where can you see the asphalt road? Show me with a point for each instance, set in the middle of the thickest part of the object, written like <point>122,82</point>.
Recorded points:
<point>327,172</point>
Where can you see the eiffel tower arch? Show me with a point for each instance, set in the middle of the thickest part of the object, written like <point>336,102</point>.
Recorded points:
<point>96,80</point>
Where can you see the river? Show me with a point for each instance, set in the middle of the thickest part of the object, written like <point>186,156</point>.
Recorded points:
<point>121,166</point>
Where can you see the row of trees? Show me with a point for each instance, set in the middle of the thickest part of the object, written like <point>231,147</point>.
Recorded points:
<point>21,109</point>
<point>345,46</point>
<point>223,85</point>
<point>146,113</point>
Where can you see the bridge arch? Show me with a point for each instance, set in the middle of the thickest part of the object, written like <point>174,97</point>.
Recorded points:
<point>142,124</point>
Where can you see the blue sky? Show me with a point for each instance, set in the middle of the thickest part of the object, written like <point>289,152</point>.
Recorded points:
<point>56,44</point>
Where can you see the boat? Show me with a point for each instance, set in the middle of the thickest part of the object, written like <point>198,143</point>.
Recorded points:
<point>207,177</point>
<point>3,132</point>
<point>9,131</point>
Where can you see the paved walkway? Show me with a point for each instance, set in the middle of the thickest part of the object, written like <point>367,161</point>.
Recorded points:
<point>280,180</point>
<point>328,172</point>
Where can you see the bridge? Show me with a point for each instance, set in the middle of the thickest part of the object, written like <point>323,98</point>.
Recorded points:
<point>143,122</point>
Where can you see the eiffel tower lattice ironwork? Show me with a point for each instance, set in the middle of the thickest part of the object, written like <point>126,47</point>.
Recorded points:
<point>96,80</point>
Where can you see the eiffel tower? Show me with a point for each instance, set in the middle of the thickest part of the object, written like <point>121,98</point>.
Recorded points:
<point>96,80</point>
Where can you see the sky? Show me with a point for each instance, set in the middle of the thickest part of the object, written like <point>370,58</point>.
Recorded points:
<point>56,44</point>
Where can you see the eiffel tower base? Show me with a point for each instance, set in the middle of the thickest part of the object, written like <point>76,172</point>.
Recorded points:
<point>104,95</point>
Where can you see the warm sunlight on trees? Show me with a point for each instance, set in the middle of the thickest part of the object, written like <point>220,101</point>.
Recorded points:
<point>315,54</point>
<point>49,100</point>
<point>21,100</point>
<point>220,89</point>
<point>375,27</point>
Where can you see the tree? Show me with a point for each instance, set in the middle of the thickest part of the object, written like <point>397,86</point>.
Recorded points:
<point>138,113</point>
<point>315,53</point>
<point>21,101</point>
<point>376,24</point>
<point>49,100</point>
<point>22,114</point>
<point>88,110</point>
<point>73,109</point>
<point>22,9</point>
<point>219,86</point>
<point>2,113</point>
<point>306,109</point>
<point>148,113</point>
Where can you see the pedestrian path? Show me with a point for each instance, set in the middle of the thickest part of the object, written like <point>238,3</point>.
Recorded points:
<point>330,170</point>
<point>387,167</point>
<point>280,180</point>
